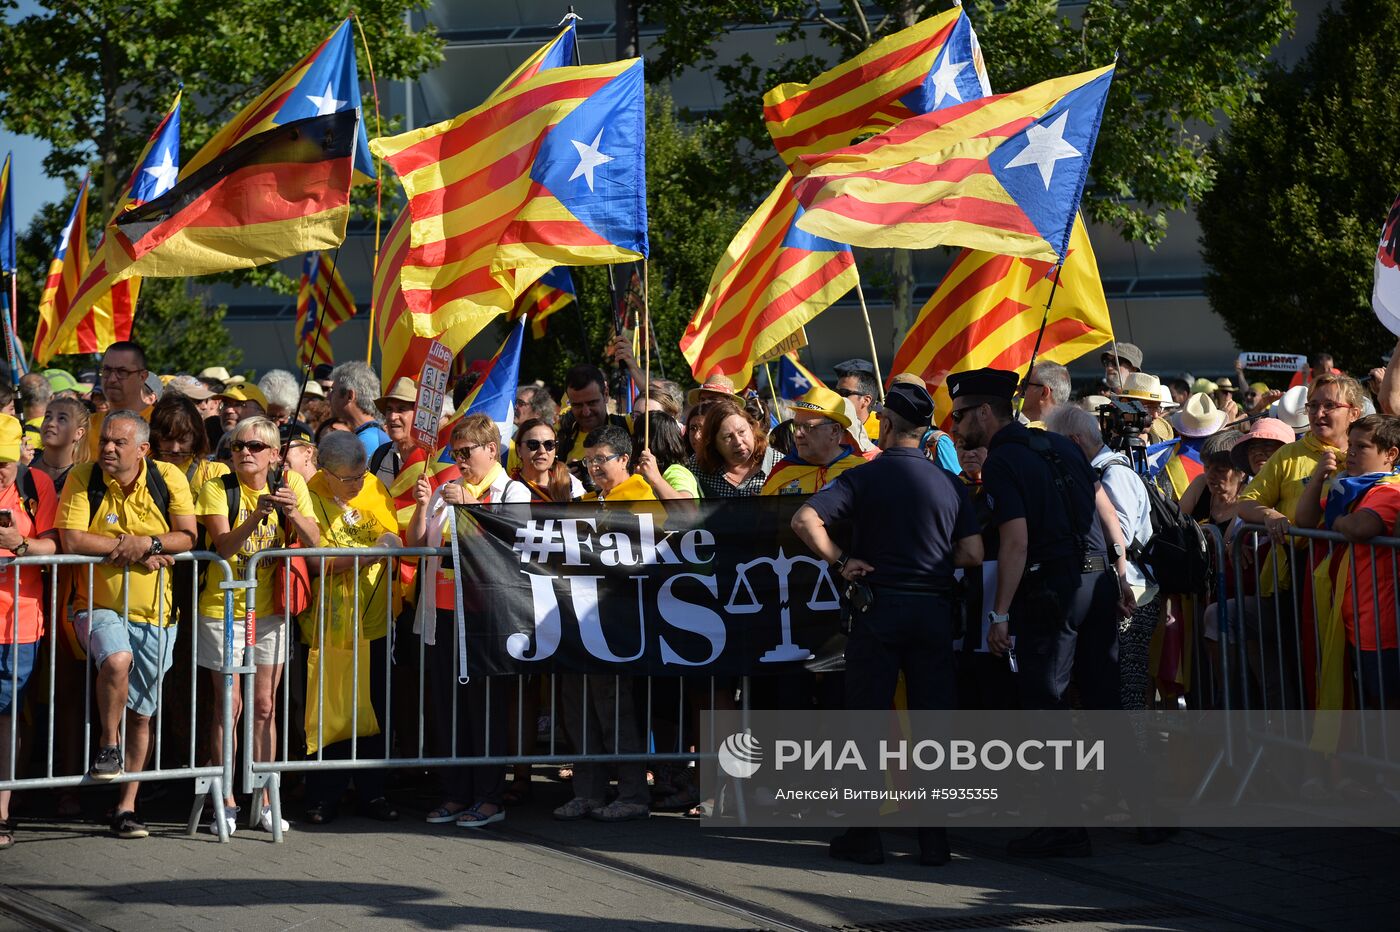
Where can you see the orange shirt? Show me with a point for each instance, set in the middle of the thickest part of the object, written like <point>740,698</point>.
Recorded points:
<point>31,586</point>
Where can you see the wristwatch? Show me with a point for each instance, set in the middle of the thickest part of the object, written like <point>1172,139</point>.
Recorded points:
<point>1118,551</point>
<point>156,546</point>
<point>998,618</point>
<point>22,547</point>
<point>840,563</point>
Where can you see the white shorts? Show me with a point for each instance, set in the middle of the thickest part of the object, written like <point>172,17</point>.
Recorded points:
<point>270,646</point>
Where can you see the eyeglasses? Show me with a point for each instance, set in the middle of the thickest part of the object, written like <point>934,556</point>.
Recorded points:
<point>252,446</point>
<point>349,480</point>
<point>1034,385</point>
<point>598,462</point>
<point>957,414</point>
<point>799,427</point>
<point>118,373</point>
<point>1325,407</point>
<point>847,393</point>
<point>462,453</point>
<point>534,446</point>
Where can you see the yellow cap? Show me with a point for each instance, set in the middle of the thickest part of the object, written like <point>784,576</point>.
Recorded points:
<point>822,400</point>
<point>245,392</point>
<point>10,431</point>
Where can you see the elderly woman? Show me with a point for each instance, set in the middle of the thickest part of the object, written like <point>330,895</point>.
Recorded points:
<point>352,509</point>
<point>243,513</point>
<point>26,529</point>
<point>540,470</point>
<point>64,431</point>
<point>1271,499</point>
<point>473,795</point>
<point>734,459</point>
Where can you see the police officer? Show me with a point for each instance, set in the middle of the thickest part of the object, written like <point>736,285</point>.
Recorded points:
<point>1058,591</point>
<point>911,523</point>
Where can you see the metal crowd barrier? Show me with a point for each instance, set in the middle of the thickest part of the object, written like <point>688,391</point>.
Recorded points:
<point>55,667</point>
<point>1279,654</point>
<point>663,703</point>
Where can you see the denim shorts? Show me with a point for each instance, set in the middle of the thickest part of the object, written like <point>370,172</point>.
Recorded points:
<point>16,663</point>
<point>104,633</point>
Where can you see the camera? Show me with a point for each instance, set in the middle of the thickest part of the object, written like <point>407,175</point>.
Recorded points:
<point>1123,422</point>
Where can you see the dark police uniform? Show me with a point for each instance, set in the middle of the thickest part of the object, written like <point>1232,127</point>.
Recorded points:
<point>1064,615</point>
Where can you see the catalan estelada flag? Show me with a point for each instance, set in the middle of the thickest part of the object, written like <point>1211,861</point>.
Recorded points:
<point>1001,174</point>
<point>66,270</point>
<point>929,65</point>
<point>988,309</point>
<point>553,291</point>
<point>795,379</point>
<point>103,310</point>
<point>550,171</point>
<point>772,279</point>
<point>324,301</point>
<point>556,53</point>
<point>7,219</point>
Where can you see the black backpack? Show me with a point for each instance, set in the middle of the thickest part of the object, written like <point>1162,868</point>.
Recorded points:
<point>155,485</point>
<point>1177,553</point>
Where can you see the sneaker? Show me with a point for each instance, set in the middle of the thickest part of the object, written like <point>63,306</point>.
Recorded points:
<point>230,820</point>
<point>126,825</point>
<point>108,764</point>
<point>577,808</point>
<point>618,811</point>
<point>265,820</point>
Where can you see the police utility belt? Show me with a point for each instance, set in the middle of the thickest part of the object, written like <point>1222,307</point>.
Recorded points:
<point>1092,563</point>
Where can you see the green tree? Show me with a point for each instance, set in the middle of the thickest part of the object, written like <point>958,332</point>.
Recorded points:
<point>93,78</point>
<point>1306,175</point>
<point>1181,65</point>
<point>688,229</point>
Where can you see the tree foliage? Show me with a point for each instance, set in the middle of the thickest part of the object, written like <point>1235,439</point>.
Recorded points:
<point>1307,174</point>
<point>688,229</point>
<point>1181,64</point>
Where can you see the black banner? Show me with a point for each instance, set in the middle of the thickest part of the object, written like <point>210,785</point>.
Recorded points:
<point>716,587</point>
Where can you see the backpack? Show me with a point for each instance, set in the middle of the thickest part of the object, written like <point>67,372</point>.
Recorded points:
<point>1039,442</point>
<point>1177,553</point>
<point>28,490</point>
<point>155,485</point>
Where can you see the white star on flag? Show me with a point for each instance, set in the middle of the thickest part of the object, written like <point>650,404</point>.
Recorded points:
<point>799,383</point>
<point>326,104</point>
<point>589,158</point>
<point>67,232</point>
<point>945,80</point>
<point>1047,146</point>
<point>164,174</point>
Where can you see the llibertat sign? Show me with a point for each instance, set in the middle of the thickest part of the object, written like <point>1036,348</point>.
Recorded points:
<point>711,588</point>
<point>1385,297</point>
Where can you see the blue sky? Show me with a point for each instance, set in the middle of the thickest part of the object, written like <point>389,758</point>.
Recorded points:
<point>32,188</point>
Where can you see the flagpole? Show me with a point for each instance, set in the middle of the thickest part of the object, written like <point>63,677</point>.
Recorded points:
<point>646,351</point>
<point>772,389</point>
<point>378,187</point>
<point>10,331</point>
<point>870,335</point>
<point>1044,320</point>
<point>315,342</point>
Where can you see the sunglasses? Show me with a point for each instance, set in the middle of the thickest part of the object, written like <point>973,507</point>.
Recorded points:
<point>461,453</point>
<point>252,446</point>
<point>849,393</point>
<point>534,446</point>
<point>957,414</point>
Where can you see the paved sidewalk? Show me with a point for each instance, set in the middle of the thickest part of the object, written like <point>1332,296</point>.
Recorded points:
<point>531,872</point>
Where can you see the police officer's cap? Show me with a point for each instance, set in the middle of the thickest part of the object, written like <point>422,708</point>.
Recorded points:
<point>854,367</point>
<point>911,402</point>
<point>989,383</point>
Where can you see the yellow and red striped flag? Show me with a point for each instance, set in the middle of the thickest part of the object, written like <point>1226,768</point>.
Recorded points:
<point>987,312</point>
<point>66,271</point>
<point>1002,174</point>
<point>323,294</point>
<point>772,279</point>
<point>927,66</point>
<point>550,171</point>
<point>554,291</point>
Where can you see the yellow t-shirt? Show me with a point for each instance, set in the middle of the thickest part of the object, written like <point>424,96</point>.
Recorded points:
<point>268,535</point>
<point>1279,485</point>
<point>360,522</point>
<point>135,514</point>
<point>794,477</point>
<point>872,426</point>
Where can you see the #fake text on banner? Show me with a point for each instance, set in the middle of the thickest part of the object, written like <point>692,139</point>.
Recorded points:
<point>720,588</point>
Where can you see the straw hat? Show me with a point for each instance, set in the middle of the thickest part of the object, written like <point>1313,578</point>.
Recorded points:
<point>1199,417</point>
<point>822,400</point>
<point>1202,385</point>
<point>403,389</point>
<point>313,390</point>
<point>1141,386</point>
<point>716,386</point>
<point>1292,408</point>
<point>1164,396</point>
<point>1225,385</point>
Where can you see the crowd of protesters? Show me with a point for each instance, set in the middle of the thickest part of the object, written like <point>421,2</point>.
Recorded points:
<point>136,468</point>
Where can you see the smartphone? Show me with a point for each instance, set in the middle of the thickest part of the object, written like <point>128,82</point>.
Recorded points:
<point>7,518</point>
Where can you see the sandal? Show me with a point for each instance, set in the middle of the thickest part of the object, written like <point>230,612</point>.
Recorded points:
<point>7,833</point>
<point>519,791</point>
<point>447,812</point>
<point>704,809</point>
<point>475,818</point>
<point>566,773</point>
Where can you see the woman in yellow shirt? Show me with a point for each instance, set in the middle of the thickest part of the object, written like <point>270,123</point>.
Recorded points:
<point>244,513</point>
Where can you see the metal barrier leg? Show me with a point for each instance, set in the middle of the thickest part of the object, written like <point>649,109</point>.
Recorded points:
<point>211,788</point>
<point>274,801</point>
<point>1248,775</point>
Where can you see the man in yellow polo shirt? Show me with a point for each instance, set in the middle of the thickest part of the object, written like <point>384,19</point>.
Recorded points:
<point>141,520</point>
<point>818,423</point>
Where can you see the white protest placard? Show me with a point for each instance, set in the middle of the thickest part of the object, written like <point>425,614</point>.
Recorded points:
<point>1273,362</point>
<point>432,390</point>
<point>1385,297</point>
